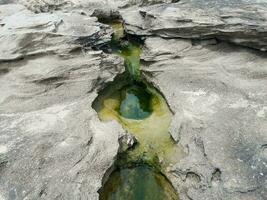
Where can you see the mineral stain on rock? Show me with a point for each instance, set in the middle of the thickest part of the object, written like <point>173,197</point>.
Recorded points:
<point>144,113</point>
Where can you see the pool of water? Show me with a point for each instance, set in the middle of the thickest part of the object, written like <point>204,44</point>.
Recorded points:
<point>129,50</point>
<point>138,183</point>
<point>135,103</point>
<point>143,112</point>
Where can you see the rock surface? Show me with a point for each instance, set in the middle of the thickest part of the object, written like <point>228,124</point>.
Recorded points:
<point>52,145</point>
<point>25,33</point>
<point>218,95</point>
<point>105,7</point>
<point>240,22</point>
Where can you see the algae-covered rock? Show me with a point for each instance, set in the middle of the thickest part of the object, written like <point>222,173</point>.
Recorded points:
<point>212,96</point>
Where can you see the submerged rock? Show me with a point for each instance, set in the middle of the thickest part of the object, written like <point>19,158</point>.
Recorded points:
<point>52,144</point>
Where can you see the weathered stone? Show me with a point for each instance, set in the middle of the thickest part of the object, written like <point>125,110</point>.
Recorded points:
<point>52,145</point>
<point>55,145</point>
<point>239,22</point>
<point>107,7</point>
<point>127,141</point>
<point>219,97</point>
<point>25,33</point>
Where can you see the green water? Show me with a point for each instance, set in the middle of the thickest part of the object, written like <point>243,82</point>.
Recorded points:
<point>136,103</point>
<point>144,113</point>
<point>130,51</point>
<point>131,55</point>
<point>139,183</point>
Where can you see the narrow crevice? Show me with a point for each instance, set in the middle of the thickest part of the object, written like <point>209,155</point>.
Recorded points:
<point>142,110</point>
<point>4,71</point>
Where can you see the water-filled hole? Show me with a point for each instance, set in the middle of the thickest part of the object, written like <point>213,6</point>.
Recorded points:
<point>137,183</point>
<point>135,102</point>
<point>143,112</point>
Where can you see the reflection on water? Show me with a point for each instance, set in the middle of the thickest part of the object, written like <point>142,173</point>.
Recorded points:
<point>135,103</point>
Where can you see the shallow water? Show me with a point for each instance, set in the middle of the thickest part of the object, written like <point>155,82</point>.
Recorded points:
<point>148,122</point>
<point>143,112</point>
<point>139,183</point>
<point>135,103</point>
<point>130,51</point>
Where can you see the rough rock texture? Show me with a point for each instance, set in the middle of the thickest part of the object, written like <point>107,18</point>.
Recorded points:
<point>52,145</point>
<point>219,97</point>
<point>105,7</point>
<point>25,33</point>
<point>240,22</point>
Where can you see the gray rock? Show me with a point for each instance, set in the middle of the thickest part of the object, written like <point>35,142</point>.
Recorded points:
<point>52,144</point>
<point>52,141</point>
<point>127,141</point>
<point>105,8</point>
<point>219,98</point>
<point>25,33</point>
<point>44,5</point>
<point>239,22</point>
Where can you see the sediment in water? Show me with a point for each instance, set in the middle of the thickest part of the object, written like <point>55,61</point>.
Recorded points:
<point>140,182</point>
<point>144,113</point>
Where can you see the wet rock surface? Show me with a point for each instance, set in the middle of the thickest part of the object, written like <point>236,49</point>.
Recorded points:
<point>52,144</point>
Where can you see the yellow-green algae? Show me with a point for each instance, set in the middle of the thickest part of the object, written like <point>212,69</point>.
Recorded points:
<point>130,51</point>
<point>154,141</point>
<point>144,113</point>
<point>118,31</point>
